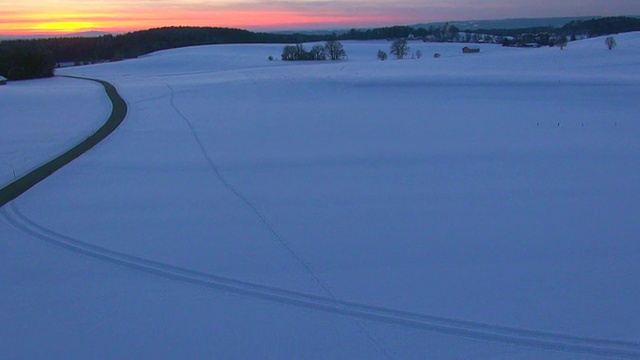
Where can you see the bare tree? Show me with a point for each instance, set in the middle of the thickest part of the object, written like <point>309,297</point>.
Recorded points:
<point>289,53</point>
<point>610,42</point>
<point>562,42</point>
<point>334,50</point>
<point>296,53</point>
<point>418,54</point>
<point>399,48</point>
<point>318,53</point>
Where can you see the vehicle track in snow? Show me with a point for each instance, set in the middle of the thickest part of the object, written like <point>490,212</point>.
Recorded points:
<point>267,225</point>
<point>330,304</point>
<point>606,348</point>
<point>263,220</point>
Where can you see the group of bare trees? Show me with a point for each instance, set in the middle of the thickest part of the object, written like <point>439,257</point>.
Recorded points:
<point>331,50</point>
<point>400,49</point>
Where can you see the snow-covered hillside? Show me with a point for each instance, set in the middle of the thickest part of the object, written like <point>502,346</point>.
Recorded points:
<point>470,206</point>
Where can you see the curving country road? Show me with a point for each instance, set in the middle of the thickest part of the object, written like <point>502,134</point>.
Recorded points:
<point>118,113</point>
<point>329,304</point>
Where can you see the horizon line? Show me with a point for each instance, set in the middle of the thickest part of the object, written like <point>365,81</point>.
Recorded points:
<point>270,29</point>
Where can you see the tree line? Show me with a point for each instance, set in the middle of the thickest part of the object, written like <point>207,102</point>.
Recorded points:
<point>25,59</point>
<point>548,36</point>
<point>600,27</point>
<point>18,58</point>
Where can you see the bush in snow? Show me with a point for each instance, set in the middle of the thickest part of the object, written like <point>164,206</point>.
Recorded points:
<point>562,42</point>
<point>382,56</point>
<point>610,42</point>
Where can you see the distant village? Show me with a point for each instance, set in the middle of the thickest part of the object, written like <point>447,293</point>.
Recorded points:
<point>450,33</point>
<point>531,36</point>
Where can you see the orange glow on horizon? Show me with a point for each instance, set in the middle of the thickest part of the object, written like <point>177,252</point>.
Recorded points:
<point>52,23</point>
<point>64,26</point>
<point>51,17</point>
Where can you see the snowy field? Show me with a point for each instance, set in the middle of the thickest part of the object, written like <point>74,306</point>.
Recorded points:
<point>257,209</point>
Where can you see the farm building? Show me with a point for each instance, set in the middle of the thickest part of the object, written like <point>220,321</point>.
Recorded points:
<point>468,50</point>
<point>3,80</point>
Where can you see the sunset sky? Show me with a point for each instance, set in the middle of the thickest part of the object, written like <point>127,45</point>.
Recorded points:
<point>30,17</point>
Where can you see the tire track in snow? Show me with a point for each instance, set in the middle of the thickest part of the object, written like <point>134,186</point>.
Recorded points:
<point>246,201</point>
<point>460,328</point>
<point>262,218</point>
<point>611,349</point>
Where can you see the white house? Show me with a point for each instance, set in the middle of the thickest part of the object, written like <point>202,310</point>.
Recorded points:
<point>3,80</point>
